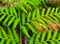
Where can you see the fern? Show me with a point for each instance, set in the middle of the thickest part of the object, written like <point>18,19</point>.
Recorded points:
<point>33,23</point>
<point>33,19</point>
<point>8,20</point>
<point>29,5</point>
<point>45,37</point>
<point>11,34</point>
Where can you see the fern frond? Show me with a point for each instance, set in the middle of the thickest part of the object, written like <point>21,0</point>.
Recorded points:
<point>45,37</point>
<point>36,19</point>
<point>8,20</point>
<point>9,11</point>
<point>29,5</point>
<point>10,34</point>
<point>36,14</point>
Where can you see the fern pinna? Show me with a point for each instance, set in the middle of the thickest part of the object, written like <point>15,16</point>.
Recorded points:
<point>29,22</point>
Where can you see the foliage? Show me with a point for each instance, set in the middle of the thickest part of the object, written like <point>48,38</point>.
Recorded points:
<point>32,19</point>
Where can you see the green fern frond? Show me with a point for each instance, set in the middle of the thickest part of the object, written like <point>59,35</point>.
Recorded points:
<point>8,20</point>
<point>40,18</point>
<point>45,37</point>
<point>10,34</point>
